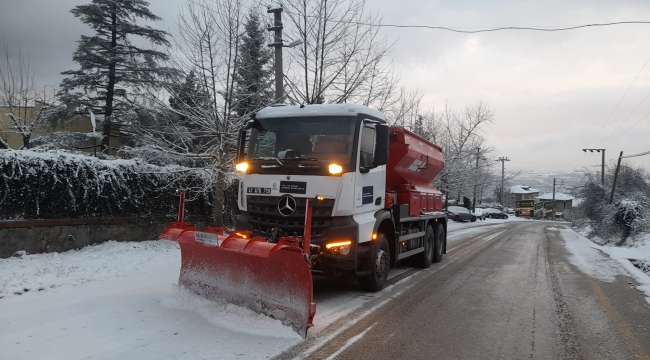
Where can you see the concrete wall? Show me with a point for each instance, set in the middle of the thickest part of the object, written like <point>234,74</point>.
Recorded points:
<point>44,236</point>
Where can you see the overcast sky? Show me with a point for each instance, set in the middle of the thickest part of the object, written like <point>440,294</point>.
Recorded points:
<point>552,91</point>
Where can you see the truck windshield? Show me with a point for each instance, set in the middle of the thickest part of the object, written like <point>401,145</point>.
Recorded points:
<point>309,139</point>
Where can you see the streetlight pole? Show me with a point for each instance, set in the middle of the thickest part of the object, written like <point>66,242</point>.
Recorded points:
<point>478,155</point>
<point>602,170</point>
<point>503,174</point>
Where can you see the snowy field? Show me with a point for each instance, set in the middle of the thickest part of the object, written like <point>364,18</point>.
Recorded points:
<point>118,301</point>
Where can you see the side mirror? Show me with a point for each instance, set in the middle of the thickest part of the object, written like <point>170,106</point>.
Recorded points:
<point>241,145</point>
<point>381,145</point>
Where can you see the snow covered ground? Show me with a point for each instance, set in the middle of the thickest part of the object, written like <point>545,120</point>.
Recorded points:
<point>118,301</point>
<point>605,262</point>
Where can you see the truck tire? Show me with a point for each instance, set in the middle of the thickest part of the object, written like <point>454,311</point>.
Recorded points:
<point>378,276</point>
<point>424,259</point>
<point>439,243</point>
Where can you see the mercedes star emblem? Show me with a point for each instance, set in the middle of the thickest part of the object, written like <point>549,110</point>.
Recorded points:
<point>287,205</point>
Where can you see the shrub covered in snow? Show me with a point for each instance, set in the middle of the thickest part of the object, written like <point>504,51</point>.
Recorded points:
<point>49,185</point>
<point>629,214</point>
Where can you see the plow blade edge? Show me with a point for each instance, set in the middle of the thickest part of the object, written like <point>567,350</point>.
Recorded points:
<point>272,279</point>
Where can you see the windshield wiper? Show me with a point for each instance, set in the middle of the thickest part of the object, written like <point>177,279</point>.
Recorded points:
<point>303,158</point>
<point>267,158</point>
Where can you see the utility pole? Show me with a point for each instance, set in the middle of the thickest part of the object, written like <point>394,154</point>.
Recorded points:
<point>618,167</point>
<point>478,155</point>
<point>277,44</point>
<point>503,174</point>
<point>553,213</point>
<point>602,167</point>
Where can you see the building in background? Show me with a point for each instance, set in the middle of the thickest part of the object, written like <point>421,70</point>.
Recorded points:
<point>563,204</point>
<point>523,192</point>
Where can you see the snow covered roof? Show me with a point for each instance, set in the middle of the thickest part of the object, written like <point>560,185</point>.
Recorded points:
<point>522,189</point>
<point>558,196</point>
<point>318,110</point>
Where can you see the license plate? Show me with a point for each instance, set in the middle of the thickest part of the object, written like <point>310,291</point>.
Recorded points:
<point>258,190</point>
<point>206,238</point>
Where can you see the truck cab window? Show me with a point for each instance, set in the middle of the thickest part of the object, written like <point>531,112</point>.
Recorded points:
<point>265,144</point>
<point>367,148</point>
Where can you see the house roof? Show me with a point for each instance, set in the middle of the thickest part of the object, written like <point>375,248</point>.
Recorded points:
<point>558,196</point>
<point>522,189</point>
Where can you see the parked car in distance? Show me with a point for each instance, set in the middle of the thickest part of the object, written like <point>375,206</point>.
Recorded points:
<point>480,213</point>
<point>495,214</point>
<point>459,213</point>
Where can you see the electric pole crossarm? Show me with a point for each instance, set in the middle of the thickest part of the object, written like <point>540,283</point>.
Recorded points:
<point>602,170</point>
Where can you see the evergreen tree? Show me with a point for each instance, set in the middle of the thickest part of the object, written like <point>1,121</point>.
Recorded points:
<point>188,97</point>
<point>193,109</point>
<point>253,77</point>
<point>113,70</point>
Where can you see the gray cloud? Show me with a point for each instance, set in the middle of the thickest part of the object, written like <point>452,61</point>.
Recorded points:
<point>551,91</point>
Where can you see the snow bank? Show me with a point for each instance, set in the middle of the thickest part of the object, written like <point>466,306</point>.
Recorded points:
<point>117,301</point>
<point>109,260</point>
<point>605,262</point>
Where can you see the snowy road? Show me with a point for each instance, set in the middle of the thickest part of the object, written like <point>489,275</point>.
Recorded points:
<point>117,300</point>
<point>513,291</point>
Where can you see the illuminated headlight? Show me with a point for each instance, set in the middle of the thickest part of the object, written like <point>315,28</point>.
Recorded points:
<point>335,169</point>
<point>241,167</point>
<point>340,247</point>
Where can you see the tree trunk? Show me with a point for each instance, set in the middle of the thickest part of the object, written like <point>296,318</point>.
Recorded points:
<point>110,88</point>
<point>26,141</point>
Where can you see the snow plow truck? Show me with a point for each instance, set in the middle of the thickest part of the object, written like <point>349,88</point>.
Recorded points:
<point>324,189</point>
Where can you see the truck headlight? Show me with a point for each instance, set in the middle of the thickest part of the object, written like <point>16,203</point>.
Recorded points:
<point>335,169</point>
<point>241,167</point>
<point>340,247</point>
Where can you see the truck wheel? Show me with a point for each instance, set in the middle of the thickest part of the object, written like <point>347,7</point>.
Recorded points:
<point>439,243</point>
<point>423,259</point>
<point>378,276</point>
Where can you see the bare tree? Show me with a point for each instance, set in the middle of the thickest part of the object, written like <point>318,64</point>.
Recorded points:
<point>24,107</point>
<point>343,56</point>
<point>403,109</point>
<point>200,128</point>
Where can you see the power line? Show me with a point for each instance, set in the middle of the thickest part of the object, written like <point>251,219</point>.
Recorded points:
<point>457,29</point>
<point>619,102</point>
<point>635,155</point>
<point>628,130</point>
<point>624,120</point>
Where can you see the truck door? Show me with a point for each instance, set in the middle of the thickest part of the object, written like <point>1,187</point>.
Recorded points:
<point>371,180</point>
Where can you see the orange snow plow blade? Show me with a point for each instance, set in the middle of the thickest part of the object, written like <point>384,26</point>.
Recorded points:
<point>272,279</point>
<point>269,278</point>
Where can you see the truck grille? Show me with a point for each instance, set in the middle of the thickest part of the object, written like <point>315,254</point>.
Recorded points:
<point>264,216</point>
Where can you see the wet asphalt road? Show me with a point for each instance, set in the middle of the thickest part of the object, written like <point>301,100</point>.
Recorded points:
<point>506,292</point>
